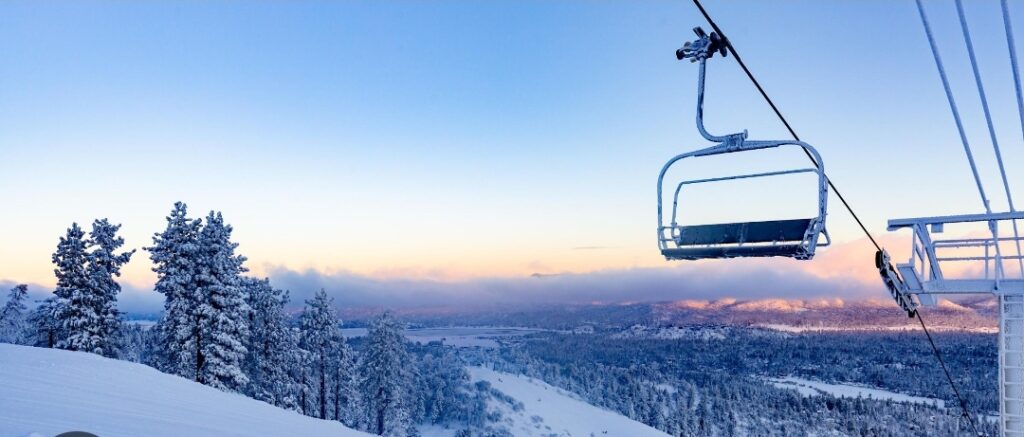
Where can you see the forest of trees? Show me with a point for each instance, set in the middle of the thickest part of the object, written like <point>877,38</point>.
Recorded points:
<point>716,387</point>
<point>230,331</point>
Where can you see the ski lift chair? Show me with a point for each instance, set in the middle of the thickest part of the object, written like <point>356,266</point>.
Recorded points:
<point>794,238</point>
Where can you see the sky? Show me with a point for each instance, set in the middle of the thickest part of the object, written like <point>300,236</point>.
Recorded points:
<point>443,152</point>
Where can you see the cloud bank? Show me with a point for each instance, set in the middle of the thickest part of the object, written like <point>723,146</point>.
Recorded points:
<point>707,281</point>
<point>844,271</point>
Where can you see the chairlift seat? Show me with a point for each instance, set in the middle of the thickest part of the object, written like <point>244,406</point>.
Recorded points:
<point>748,232</point>
<point>797,238</point>
<point>747,239</point>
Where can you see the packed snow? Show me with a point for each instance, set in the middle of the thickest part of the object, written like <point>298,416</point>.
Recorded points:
<point>794,329</point>
<point>807,387</point>
<point>550,411</point>
<point>50,391</point>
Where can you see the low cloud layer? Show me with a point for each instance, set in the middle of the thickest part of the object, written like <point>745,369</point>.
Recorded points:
<point>844,271</point>
<point>132,299</point>
<point>704,281</point>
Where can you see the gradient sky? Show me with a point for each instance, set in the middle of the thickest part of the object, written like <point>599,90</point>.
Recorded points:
<point>456,141</point>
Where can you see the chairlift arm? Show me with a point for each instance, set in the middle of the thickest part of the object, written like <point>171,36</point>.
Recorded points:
<point>730,138</point>
<point>699,50</point>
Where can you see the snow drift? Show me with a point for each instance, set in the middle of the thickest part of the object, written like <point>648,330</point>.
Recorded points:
<point>51,391</point>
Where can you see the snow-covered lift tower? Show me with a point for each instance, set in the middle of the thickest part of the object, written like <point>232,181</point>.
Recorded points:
<point>980,262</point>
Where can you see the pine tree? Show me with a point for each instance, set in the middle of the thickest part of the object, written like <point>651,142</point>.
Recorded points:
<point>444,387</point>
<point>346,394</point>
<point>103,265</point>
<point>386,379</point>
<point>271,346</point>
<point>13,316</point>
<point>303,375</point>
<point>44,327</point>
<point>134,343</point>
<point>76,315</point>
<point>175,254</point>
<point>319,331</point>
<point>222,311</point>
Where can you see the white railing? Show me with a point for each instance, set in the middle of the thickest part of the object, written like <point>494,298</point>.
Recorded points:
<point>992,263</point>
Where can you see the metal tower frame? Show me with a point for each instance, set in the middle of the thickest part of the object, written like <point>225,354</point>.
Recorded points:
<point>923,276</point>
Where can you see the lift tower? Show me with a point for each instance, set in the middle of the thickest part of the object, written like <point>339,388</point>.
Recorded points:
<point>978,262</point>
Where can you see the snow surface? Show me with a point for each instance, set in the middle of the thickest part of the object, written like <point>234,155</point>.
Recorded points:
<point>807,387</point>
<point>50,391</point>
<point>902,328</point>
<point>143,323</point>
<point>550,411</point>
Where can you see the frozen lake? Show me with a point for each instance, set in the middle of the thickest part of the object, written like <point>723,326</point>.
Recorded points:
<point>459,336</point>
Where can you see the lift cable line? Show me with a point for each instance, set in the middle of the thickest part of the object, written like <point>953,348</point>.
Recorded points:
<point>988,121</point>
<point>1020,110</point>
<point>956,112</point>
<point>778,113</point>
<point>952,106</point>
<point>965,411</point>
<point>911,310</point>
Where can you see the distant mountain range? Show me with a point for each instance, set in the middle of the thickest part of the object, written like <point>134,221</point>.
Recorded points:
<point>977,314</point>
<point>974,314</point>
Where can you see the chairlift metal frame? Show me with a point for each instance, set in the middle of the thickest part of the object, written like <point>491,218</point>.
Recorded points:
<point>922,276</point>
<point>788,238</point>
<point>923,271</point>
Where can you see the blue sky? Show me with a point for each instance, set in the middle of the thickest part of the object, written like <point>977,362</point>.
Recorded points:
<point>457,140</point>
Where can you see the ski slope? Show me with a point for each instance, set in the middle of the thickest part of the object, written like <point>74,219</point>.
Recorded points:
<point>50,391</point>
<point>550,411</point>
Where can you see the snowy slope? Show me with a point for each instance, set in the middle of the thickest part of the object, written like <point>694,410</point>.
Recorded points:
<point>807,387</point>
<point>50,391</point>
<point>550,411</point>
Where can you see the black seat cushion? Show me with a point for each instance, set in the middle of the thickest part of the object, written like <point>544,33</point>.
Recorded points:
<point>748,232</point>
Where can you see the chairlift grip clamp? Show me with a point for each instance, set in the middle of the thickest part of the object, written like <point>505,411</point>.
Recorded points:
<point>897,287</point>
<point>704,47</point>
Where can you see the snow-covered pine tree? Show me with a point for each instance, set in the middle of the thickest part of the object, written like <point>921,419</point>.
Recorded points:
<point>302,374</point>
<point>44,328</point>
<point>386,373</point>
<point>13,316</point>
<point>346,392</point>
<point>175,254</point>
<point>444,387</point>
<point>271,346</point>
<point>75,303</point>
<point>222,311</point>
<point>103,264</point>
<point>319,331</point>
<point>134,343</point>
